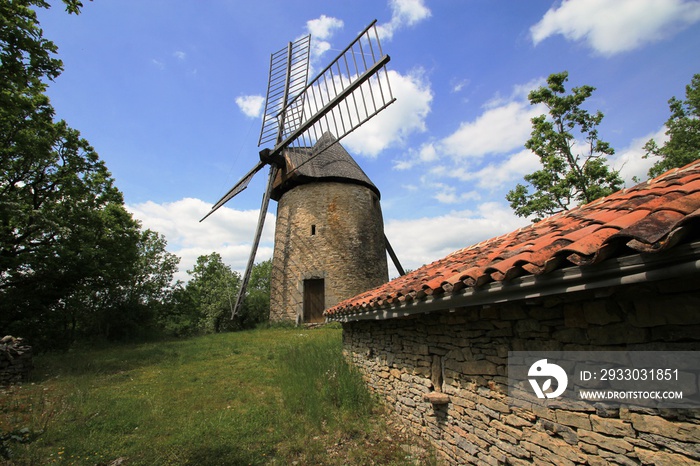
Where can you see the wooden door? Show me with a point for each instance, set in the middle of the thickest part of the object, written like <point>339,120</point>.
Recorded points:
<point>314,300</point>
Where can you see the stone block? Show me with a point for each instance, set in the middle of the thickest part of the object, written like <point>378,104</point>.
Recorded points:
<point>662,458</point>
<point>600,312</point>
<point>482,367</point>
<point>616,427</point>
<point>616,334</point>
<point>690,449</point>
<point>573,419</point>
<point>512,312</point>
<point>573,316</point>
<point>516,420</point>
<point>436,398</point>
<point>495,405</point>
<point>613,444</point>
<point>681,431</point>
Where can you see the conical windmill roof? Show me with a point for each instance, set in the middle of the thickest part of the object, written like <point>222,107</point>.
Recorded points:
<point>303,166</point>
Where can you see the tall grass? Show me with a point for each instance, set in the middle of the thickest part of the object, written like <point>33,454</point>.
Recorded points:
<point>275,396</point>
<point>317,382</point>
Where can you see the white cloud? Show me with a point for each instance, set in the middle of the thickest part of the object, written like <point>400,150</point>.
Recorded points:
<point>404,117</point>
<point>459,85</point>
<point>611,27</point>
<point>504,172</point>
<point>322,30</point>
<point>251,105</point>
<point>424,240</point>
<point>180,55</point>
<point>498,130</point>
<point>486,153</point>
<point>323,27</point>
<point>630,160</point>
<point>160,64</point>
<point>403,13</point>
<point>425,154</point>
<point>229,232</point>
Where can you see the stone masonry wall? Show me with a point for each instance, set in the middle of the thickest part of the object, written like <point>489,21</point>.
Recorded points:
<point>345,248</point>
<point>463,354</point>
<point>15,360</point>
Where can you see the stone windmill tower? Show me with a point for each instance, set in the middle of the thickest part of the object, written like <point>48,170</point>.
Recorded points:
<point>329,243</point>
<point>329,235</point>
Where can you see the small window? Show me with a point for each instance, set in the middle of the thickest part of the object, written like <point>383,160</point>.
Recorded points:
<point>313,230</point>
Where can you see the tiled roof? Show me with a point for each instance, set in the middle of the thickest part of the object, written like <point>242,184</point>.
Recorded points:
<point>653,216</point>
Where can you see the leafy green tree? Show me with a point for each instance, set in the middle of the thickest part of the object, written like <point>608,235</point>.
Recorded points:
<point>208,300</point>
<point>570,175</point>
<point>132,288</point>
<point>213,289</point>
<point>683,130</point>
<point>72,259</point>
<point>256,305</point>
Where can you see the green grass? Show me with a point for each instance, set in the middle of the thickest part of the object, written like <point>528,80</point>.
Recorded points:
<point>274,396</point>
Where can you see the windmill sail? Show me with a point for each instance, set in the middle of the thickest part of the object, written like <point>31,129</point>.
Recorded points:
<point>353,88</point>
<point>289,70</point>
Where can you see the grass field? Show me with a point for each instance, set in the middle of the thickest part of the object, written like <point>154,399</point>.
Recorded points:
<point>269,396</point>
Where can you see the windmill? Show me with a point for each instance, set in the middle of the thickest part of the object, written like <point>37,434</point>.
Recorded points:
<point>304,121</point>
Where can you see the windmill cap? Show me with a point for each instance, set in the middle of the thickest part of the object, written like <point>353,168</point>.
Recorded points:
<point>327,160</point>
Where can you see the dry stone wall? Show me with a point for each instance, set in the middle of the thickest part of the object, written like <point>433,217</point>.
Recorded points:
<point>445,374</point>
<point>15,360</point>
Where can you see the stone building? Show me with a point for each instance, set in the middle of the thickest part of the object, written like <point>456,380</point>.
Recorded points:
<point>619,274</point>
<point>329,235</point>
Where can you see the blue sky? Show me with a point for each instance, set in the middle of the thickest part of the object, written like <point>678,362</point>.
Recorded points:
<point>169,94</point>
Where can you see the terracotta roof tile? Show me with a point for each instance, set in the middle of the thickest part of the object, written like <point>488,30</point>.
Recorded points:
<point>649,217</point>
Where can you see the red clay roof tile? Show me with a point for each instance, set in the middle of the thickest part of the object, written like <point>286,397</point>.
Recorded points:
<point>649,217</point>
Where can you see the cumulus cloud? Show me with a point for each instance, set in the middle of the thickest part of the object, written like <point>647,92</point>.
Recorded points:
<point>404,117</point>
<point>322,30</point>
<point>611,27</point>
<point>416,242</point>
<point>251,105</point>
<point>403,13</point>
<point>229,232</point>
<point>630,160</point>
<point>486,152</point>
<point>498,130</point>
<point>505,171</point>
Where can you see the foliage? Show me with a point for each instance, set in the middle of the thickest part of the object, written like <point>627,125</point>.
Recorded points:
<point>683,131</point>
<point>72,260</point>
<point>211,400</point>
<point>212,291</point>
<point>569,176</point>
<point>207,303</point>
<point>256,304</point>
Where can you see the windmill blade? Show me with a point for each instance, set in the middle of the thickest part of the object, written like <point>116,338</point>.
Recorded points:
<point>353,88</point>
<point>289,70</point>
<point>256,240</point>
<point>237,188</point>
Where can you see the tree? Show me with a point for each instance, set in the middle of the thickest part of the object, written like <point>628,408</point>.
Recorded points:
<point>683,131</point>
<point>72,259</point>
<point>256,305</point>
<point>132,287</point>
<point>208,300</point>
<point>213,289</point>
<point>570,175</point>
